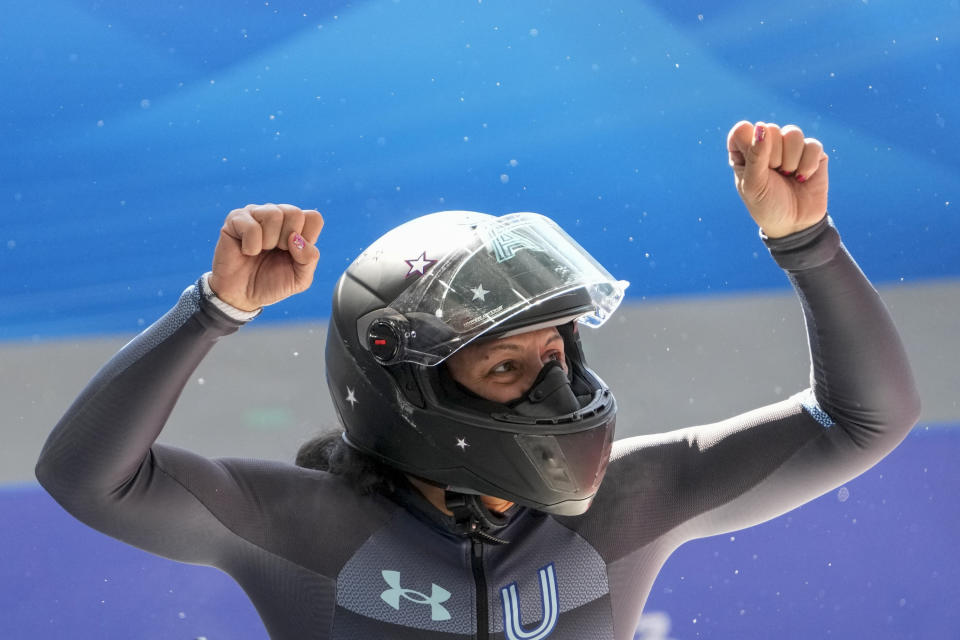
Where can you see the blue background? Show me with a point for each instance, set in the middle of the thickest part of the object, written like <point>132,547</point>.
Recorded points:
<point>130,129</point>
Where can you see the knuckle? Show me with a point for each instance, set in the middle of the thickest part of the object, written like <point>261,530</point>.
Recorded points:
<point>793,135</point>
<point>742,125</point>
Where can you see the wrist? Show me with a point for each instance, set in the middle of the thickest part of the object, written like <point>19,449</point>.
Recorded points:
<point>773,232</point>
<point>805,249</point>
<point>236,313</point>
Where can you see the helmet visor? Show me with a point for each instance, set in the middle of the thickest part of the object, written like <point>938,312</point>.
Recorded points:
<point>505,266</point>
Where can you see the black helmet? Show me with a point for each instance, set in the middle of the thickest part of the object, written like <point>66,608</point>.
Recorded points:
<point>434,284</point>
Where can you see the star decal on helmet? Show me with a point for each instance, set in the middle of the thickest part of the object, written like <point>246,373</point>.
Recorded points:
<point>351,397</point>
<point>462,443</point>
<point>420,264</point>
<point>479,293</point>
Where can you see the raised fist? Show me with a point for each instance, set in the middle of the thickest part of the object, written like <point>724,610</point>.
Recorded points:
<point>780,175</point>
<point>265,253</point>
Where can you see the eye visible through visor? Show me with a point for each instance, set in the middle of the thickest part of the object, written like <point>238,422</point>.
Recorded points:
<point>506,266</point>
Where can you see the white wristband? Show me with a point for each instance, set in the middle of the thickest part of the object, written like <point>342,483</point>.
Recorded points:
<point>228,309</point>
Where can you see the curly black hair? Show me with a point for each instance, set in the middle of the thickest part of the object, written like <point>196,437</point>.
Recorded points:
<point>329,452</point>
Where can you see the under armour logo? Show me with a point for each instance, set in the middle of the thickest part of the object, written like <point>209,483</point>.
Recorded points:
<point>437,595</point>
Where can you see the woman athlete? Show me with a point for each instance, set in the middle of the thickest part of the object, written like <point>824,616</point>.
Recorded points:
<point>501,507</point>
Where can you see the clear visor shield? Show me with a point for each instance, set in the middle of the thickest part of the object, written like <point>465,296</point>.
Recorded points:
<point>504,266</point>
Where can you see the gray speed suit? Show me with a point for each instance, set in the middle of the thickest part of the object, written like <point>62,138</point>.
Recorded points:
<point>319,561</point>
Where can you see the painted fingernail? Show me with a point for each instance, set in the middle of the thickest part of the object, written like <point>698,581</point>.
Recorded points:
<point>758,133</point>
<point>783,172</point>
<point>800,178</point>
<point>298,241</point>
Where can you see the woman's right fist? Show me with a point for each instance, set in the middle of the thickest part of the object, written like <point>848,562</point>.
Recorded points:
<point>265,253</point>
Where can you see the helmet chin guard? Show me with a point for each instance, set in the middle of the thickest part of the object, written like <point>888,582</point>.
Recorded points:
<point>466,275</point>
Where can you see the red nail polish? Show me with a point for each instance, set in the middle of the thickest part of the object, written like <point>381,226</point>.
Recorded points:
<point>800,178</point>
<point>298,241</point>
<point>758,133</point>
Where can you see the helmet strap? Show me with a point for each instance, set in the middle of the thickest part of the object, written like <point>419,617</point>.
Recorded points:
<point>473,518</point>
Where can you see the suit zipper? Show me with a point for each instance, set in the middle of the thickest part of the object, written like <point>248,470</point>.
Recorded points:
<point>480,579</point>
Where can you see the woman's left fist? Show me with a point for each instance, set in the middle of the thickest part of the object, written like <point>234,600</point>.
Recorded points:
<point>780,175</point>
